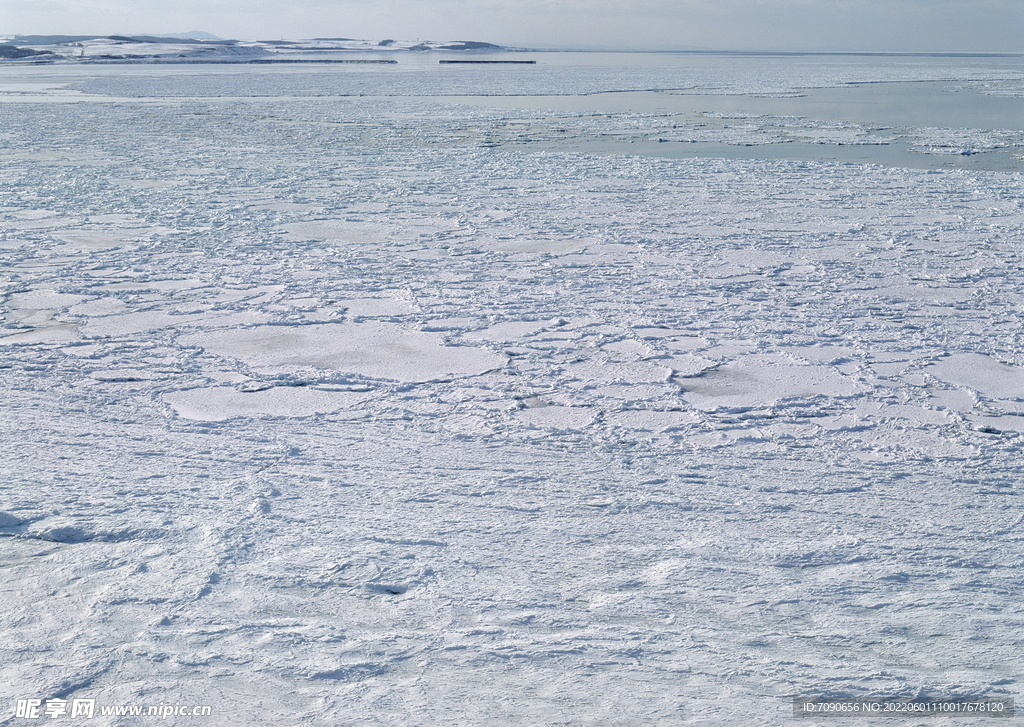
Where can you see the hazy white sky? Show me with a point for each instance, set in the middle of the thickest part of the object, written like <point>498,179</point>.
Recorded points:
<point>912,25</point>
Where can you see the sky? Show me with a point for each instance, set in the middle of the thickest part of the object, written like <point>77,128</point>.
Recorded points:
<point>868,25</point>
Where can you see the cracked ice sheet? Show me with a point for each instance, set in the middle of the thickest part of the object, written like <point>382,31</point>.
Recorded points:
<point>570,521</point>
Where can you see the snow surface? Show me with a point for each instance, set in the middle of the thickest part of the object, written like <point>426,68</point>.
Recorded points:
<point>319,411</point>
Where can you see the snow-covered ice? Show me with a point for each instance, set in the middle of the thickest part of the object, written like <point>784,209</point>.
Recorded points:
<point>365,410</point>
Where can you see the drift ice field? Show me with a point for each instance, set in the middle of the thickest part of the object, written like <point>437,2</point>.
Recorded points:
<point>387,396</point>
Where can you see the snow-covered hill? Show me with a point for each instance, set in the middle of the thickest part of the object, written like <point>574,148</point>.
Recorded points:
<point>184,49</point>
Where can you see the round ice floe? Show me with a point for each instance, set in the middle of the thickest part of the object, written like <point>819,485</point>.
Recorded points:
<point>540,246</point>
<point>44,299</point>
<point>57,333</point>
<point>125,375</point>
<point>88,240</point>
<point>998,424</point>
<point>687,364</point>
<point>338,231</point>
<point>628,349</point>
<point>507,331</point>
<point>353,231</point>
<point>557,417</point>
<point>981,373</point>
<point>225,402</point>
<point>651,421</point>
<point>98,307</point>
<point>376,307</point>
<point>633,372</point>
<point>377,350</point>
<point>144,321</point>
<point>377,576</point>
<point>747,384</point>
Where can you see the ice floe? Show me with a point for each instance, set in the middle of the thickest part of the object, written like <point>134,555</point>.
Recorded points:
<point>982,374</point>
<point>375,350</point>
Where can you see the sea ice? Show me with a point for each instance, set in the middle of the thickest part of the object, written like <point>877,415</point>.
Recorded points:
<point>325,408</point>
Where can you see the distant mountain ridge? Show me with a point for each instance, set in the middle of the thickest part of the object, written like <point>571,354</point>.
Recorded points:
<point>61,39</point>
<point>200,47</point>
